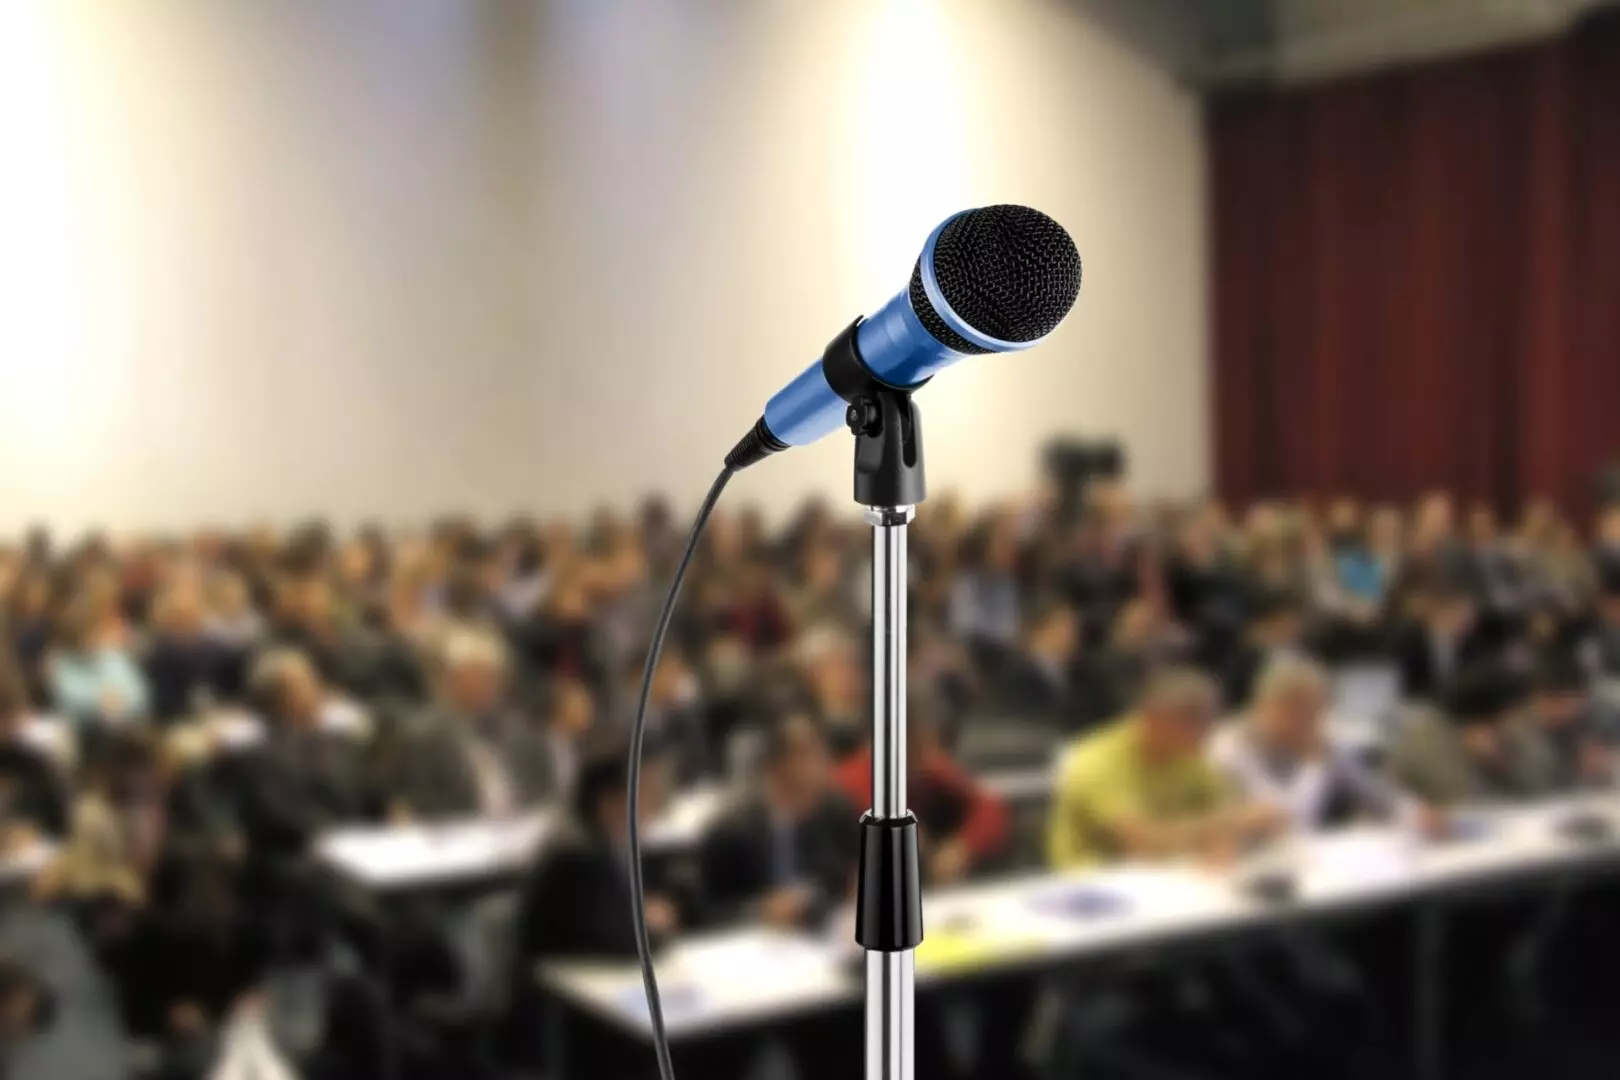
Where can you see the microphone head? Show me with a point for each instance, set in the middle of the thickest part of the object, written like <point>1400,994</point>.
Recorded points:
<point>1009,273</point>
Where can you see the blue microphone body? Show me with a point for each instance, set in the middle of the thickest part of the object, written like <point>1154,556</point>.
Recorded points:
<point>1007,267</point>
<point>896,349</point>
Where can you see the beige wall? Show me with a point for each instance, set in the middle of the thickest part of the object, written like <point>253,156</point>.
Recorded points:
<point>390,257</point>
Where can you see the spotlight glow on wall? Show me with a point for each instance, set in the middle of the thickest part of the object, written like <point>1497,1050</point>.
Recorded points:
<point>42,318</point>
<point>909,165</point>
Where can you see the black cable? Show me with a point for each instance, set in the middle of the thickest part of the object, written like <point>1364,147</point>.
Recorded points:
<point>638,902</point>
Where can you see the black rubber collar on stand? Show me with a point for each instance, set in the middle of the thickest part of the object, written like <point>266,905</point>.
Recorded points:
<point>888,905</point>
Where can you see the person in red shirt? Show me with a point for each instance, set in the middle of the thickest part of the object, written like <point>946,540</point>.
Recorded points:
<point>963,825</point>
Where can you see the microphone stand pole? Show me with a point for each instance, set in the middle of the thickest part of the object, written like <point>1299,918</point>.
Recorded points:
<point>888,920</point>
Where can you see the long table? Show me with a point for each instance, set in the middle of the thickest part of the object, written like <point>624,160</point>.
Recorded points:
<point>395,858</point>
<point>711,981</point>
<point>425,856</point>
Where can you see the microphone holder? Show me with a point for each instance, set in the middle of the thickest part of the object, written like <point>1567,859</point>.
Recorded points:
<point>889,483</point>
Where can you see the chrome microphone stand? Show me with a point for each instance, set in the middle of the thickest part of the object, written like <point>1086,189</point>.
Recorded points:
<point>888,922</point>
<point>889,992</point>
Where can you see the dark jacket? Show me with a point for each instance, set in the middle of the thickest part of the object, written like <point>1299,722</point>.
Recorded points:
<point>432,768</point>
<point>362,664</point>
<point>296,785</point>
<point>32,790</point>
<point>1417,655</point>
<point>576,905</point>
<point>741,863</point>
<point>1074,698</point>
<point>195,943</point>
<point>576,901</point>
<point>181,672</point>
<point>1427,758</point>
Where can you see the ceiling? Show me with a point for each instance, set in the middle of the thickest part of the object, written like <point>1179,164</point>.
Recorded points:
<point>1222,42</point>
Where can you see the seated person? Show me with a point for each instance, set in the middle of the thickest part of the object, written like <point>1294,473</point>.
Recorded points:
<point>1581,735</point>
<point>570,719</point>
<point>90,674</point>
<point>136,843</point>
<point>469,753</point>
<point>347,656</point>
<point>305,777</point>
<point>1276,626</point>
<point>1603,639</point>
<point>963,825</point>
<point>1047,679</point>
<point>1446,640</point>
<point>33,790</point>
<point>822,593</point>
<point>1278,754</point>
<point>787,852</point>
<point>675,711</point>
<point>563,637</point>
<point>985,605</point>
<point>1143,787</point>
<point>186,669</point>
<point>113,833</point>
<point>576,902</point>
<point>1477,747</point>
<point>1141,638</point>
<point>233,624</point>
<point>835,687</point>
<point>194,949</point>
<point>787,855</point>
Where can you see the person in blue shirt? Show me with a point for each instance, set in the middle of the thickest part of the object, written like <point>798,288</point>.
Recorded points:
<point>91,677</point>
<point>1359,574</point>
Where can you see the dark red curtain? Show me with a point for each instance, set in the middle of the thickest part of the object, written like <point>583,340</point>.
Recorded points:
<point>1416,279</point>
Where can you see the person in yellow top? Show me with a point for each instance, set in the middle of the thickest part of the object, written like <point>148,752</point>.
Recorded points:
<point>1143,787</point>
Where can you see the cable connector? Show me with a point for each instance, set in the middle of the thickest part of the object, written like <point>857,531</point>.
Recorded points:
<point>754,447</point>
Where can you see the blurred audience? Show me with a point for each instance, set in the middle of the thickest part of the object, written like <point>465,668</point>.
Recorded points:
<point>182,720</point>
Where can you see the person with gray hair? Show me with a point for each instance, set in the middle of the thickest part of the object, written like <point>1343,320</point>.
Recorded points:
<point>469,754</point>
<point>306,775</point>
<point>1279,754</point>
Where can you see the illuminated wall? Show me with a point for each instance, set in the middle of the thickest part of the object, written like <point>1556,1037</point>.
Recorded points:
<point>389,257</point>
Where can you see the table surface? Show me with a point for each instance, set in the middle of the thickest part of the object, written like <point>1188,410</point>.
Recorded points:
<point>713,981</point>
<point>446,854</point>
<point>429,855</point>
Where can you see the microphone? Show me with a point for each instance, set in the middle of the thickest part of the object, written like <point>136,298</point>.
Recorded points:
<point>991,280</point>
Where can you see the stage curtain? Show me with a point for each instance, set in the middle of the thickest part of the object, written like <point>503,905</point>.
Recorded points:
<point>1416,278</point>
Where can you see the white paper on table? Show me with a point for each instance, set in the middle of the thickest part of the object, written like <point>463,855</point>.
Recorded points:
<point>749,957</point>
<point>1358,859</point>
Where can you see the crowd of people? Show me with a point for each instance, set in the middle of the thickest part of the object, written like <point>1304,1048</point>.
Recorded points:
<point>181,718</point>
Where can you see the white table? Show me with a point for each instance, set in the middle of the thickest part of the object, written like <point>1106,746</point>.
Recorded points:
<point>712,982</point>
<point>392,858</point>
<point>419,856</point>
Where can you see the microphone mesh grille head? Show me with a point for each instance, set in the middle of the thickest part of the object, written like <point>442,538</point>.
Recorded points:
<point>1009,272</point>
